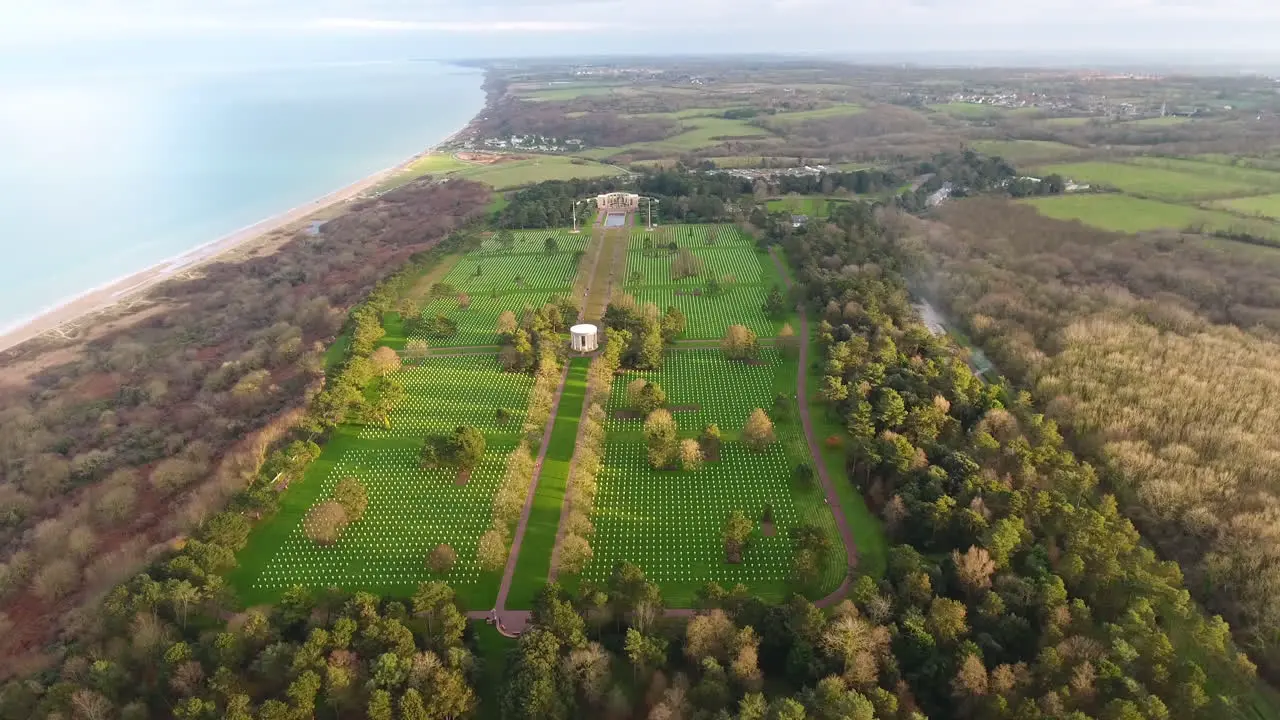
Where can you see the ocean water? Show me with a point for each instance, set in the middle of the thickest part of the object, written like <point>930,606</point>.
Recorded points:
<point>106,172</point>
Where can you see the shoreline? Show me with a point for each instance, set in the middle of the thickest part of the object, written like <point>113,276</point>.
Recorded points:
<point>111,293</point>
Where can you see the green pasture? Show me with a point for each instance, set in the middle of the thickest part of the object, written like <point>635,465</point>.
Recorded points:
<point>568,91</point>
<point>979,110</point>
<point>1152,182</point>
<point>669,522</point>
<point>1165,121</point>
<point>411,510</point>
<point>1258,179</point>
<point>1267,206</point>
<point>430,164</point>
<point>1069,121</point>
<point>1021,152</point>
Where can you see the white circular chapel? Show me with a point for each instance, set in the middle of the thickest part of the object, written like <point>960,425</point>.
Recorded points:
<point>584,338</point>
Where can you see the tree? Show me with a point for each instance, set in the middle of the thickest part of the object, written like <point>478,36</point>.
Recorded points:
<point>710,440</point>
<point>891,411</point>
<point>645,396</point>
<point>645,653</point>
<point>441,559</point>
<point>385,361</point>
<point>757,434</point>
<point>974,569</point>
<point>466,448</point>
<point>417,350</point>
<point>685,265</point>
<point>491,553</point>
<point>736,532</point>
<point>946,620</point>
<point>649,346</point>
<point>325,522</point>
<point>660,435</point>
<point>464,301</point>
<point>787,342</point>
<point>740,343</point>
<point>690,455</point>
<point>575,554</point>
<point>834,391</point>
<point>507,324</point>
<point>552,245</point>
<point>351,494</point>
<point>672,324</point>
<point>379,707</point>
<point>775,305</point>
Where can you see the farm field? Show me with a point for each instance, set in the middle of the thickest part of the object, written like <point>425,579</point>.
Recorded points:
<point>1258,178</point>
<point>1120,213</point>
<point>669,523</point>
<point>1153,182</point>
<point>1068,121</point>
<point>1165,121</point>
<point>411,509</point>
<point>697,133</point>
<point>733,260</point>
<point>977,110</point>
<point>1021,152</point>
<point>567,91</point>
<point>1263,205</point>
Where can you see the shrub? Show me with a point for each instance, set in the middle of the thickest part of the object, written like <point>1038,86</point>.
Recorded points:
<point>325,522</point>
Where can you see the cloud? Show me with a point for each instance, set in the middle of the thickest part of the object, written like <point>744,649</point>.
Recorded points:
<point>475,26</point>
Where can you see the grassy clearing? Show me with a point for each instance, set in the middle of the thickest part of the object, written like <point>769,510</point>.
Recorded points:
<point>842,110</point>
<point>1121,213</point>
<point>411,509</point>
<point>669,523</point>
<point>534,562</point>
<point>1069,121</point>
<point>518,173</point>
<point>492,650</point>
<point>1152,182</point>
<point>1021,152</point>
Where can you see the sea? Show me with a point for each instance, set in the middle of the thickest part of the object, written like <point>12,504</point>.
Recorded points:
<point>106,171</point>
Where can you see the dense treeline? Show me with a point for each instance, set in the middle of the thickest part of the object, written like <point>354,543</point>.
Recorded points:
<point>1158,353</point>
<point>1018,589</point>
<point>693,197</point>
<point>861,182</point>
<point>606,128</point>
<point>140,434</point>
<point>550,204</point>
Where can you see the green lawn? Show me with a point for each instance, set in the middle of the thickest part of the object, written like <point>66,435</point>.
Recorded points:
<point>1121,213</point>
<point>1154,182</point>
<point>492,649</point>
<point>540,168</point>
<point>1020,152</point>
<point>669,523</point>
<point>534,562</point>
<point>411,509</point>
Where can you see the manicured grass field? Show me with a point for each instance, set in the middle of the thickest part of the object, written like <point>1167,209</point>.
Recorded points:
<point>1153,182</point>
<point>1122,213</point>
<point>534,562</point>
<point>669,523</point>
<point>411,510</point>
<point>733,254</point>
<point>518,173</point>
<point>1021,152</point>
<point>430,164</point>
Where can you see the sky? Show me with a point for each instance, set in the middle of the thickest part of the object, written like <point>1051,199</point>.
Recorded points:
<point>347,29</point>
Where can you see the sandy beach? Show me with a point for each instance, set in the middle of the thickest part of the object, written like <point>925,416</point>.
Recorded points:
<point>122,289</point>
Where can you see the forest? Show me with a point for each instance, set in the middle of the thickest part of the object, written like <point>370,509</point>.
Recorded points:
<point>1157,355</point>
<point>113,455</point>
